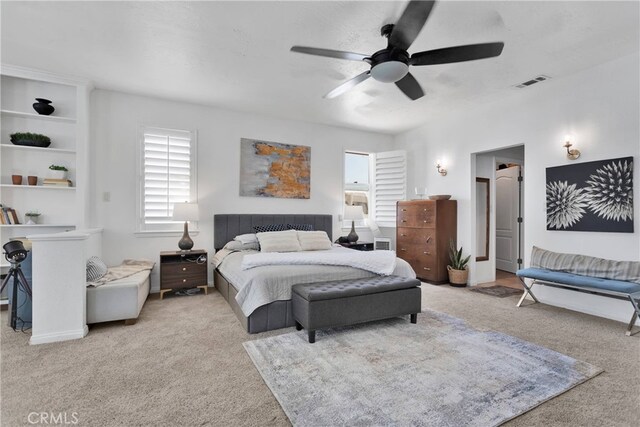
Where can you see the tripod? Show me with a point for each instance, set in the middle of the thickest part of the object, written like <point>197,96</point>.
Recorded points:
<point>18,279</point>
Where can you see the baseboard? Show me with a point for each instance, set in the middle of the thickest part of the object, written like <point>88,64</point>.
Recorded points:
<point>59,336</point>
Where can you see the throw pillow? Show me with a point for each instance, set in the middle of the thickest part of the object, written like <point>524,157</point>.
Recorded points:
<point>279,241</point>
<point>246,238</point>
<point>314,240</point>
<point>270,227</point>
<point>96,268</point>
<point>236,245</point>
<point>300,227</point>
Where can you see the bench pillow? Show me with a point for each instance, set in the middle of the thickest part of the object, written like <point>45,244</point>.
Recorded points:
<point>279,241</point>
<point>96,269</point>
<point>314,240</point>
<point>627,271</point>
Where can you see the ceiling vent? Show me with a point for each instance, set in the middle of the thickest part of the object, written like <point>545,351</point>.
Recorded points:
<point>533,81</point>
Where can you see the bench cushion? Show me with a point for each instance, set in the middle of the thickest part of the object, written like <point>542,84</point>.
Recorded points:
<point>579,280</point>
<point>348,288</point>
<point>118,300</point>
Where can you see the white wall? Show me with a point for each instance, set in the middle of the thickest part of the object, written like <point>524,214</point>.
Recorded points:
<point>116,118</point>
<point>599,106</point>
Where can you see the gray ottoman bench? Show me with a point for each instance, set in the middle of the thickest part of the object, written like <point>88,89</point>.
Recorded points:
<point>347,302</point>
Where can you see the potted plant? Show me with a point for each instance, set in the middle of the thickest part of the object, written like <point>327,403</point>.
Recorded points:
<point>58,172</point>
<point>457,269</point>
<point>30,139</point>
<point>32,217</point>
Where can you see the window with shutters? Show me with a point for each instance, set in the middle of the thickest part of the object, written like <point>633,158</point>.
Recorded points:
<point>167,176</point>
<point>389,186</point>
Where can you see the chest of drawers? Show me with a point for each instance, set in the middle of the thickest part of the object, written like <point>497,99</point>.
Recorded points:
<point>423,231</point>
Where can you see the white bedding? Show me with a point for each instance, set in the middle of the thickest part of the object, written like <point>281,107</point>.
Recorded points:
<point>262,285</point>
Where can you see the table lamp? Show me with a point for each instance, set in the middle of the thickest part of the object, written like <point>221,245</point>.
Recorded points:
<point>185,212</point>
<point>353,213</point>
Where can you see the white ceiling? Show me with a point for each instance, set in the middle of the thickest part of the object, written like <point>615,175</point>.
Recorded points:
<point>236,55</point>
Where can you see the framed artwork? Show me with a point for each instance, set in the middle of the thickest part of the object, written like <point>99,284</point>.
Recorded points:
<point>592,196</point>
<point>271,169</point>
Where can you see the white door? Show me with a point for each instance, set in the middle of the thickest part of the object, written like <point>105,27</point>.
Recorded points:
<point>507,200</point>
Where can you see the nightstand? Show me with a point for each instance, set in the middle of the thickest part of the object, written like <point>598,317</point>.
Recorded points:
<point>359,246</point>
<point>183,269</point>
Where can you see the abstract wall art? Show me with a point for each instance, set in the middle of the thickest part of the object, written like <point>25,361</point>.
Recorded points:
<point>592,196</point>
<point>271,169</point>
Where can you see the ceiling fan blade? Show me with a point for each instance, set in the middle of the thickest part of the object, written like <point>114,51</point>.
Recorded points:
<point>448,55</point>
<point>348,85</point>
<point>410,86</point>
<point>410,23</point>
<point>351,56</point>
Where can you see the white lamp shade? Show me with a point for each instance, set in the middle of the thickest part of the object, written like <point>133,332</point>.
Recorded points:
<point>185,212</point>
<point>353,213</point>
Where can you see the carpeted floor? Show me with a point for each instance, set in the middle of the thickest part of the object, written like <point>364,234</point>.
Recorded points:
<point>183,363</point>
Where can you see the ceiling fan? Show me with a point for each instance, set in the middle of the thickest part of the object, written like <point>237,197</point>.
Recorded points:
<point>391,65</point>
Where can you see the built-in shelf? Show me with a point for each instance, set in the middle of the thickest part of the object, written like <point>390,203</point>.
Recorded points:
<point>11,113</point>
<point>34,187</point>
<point>38,149</point>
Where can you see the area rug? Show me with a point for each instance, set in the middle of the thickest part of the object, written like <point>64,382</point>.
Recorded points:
<point>440,372</point>
<point>497,291</point>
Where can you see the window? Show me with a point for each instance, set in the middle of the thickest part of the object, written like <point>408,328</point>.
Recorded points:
<point>356,177</point>
<point>167,175</point>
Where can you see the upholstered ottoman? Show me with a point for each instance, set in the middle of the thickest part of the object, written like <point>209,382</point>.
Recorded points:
<point>121,299</point>
<point>347,302</point>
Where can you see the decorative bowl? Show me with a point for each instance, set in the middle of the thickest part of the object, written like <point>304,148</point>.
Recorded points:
<point>31,143</point>
<point>440,197</point>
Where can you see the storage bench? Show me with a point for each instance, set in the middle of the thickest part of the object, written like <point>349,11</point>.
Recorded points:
<point>347,302</point>
<point>120,299</point>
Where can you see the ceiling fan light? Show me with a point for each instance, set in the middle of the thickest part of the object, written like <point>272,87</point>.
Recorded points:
<point>389,71</point>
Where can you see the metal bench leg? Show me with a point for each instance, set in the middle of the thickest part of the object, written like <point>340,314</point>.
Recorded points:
<point>527,290</point>
<point>634,317</point>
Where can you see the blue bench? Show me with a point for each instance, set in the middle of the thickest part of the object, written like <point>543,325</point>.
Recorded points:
<point>620,289</point>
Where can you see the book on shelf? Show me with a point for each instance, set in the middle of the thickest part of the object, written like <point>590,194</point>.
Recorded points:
<point>51,182</point>
<point>9,216</point>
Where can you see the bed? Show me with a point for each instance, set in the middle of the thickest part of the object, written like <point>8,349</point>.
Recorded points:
<point>278,313</point>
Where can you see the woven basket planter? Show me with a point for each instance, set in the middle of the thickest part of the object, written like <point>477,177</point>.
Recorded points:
<point>458,278</point>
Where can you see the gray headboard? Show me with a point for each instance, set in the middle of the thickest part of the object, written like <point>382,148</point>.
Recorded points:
<point>228,226</point>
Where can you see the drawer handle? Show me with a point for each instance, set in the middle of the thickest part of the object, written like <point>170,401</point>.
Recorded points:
<point>184,268</point>
<point>428,239</point>
<point>425,210</point>
<point>404,220</point>
<point>404,210</point>
<point>184,280</point>
<point>427,253</point>
<point>427,268</point>
<point>425,220</point>
<point>402,235</point>
<point>403,249</point>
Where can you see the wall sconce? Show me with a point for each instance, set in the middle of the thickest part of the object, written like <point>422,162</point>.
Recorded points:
<point>571,154</point>
<point>442,171</point>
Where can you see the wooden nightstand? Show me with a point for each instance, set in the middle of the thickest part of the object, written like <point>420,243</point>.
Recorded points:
<point>359,246</point>
<point>181,270</point>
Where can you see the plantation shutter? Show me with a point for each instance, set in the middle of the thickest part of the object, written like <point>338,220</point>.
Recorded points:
<point>168,175</point>
<point>390,185</point>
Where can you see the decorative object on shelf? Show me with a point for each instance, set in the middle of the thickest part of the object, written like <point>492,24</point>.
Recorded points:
<point>32,180</point>
<point>420,192</point>
<point>440,197</point>
<point>30,139</point>
<point>54,182</point>
<point>353,213</point>
<point>32,217</point>
<point>458,271</point>
<point>591,196</point>
<point>58,172</point>
<point>441,170</point>
<point>571,154</point>
<point>8,216</point>
<point>271,169</point>
<point>185,212</point>
<point>42,107</point>
<point>16,179</point>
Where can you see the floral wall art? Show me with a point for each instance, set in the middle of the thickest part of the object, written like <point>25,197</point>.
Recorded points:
<point>271,169</point>
<point>592,196</point>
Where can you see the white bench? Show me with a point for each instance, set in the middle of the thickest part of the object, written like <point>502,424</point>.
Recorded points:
<point>121,299</point>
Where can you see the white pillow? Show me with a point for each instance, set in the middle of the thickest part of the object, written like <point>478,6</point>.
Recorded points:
<point>314,240</point>
<point>236,245</point>
<point>279,241</point>
<point>246,238</point>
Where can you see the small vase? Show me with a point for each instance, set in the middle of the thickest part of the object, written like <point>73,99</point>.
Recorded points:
<point>16,179</point>
<point>33,180</point>
<point>30,221</point>
<point>56,174</point>
<point>42,107</point>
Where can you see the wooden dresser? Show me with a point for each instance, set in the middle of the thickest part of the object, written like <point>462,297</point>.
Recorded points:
<point>424,228</point>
